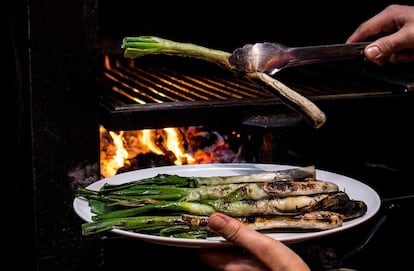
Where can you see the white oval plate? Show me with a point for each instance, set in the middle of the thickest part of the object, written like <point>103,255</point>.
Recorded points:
<point>355,189</point>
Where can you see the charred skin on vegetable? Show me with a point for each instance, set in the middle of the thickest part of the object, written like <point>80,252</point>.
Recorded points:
<point>293,188</point>
<point>294,205</point>
<point>328,202</point>
<point>257,191</point>
<point>280,189</point>
<point>195,220</point>
<point>351,209</point>
<point>317,220</point>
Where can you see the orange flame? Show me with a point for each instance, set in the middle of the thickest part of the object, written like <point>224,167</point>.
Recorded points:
<point>118,147</point>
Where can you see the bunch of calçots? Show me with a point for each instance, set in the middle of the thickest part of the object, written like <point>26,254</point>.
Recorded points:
<point>176,206</point>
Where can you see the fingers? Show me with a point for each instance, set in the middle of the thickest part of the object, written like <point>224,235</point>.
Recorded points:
<point>228,261</point>
<point>268,251</point>
<point>385,21</point>
<point>402,57</point>
<point>237,233</point>
<point>394,48</point>
<point>399,22</point>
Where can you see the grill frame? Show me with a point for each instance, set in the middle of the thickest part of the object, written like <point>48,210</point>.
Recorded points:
<point>259,106</point>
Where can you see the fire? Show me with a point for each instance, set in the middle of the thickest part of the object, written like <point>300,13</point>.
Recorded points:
<point>175,146</point>
<point>112,155</point>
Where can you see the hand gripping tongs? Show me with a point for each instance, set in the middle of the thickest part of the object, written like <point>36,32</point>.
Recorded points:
<point>270,57</point>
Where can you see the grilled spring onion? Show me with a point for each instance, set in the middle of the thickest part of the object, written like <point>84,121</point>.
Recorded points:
<point>317,220</point>
<point>149,45</point>
<point>161,207</point>
<point>160,179</point>
<point>280,206</point>
<point>195,227</point>
<point>228,192</point>
<point>275,206</point>
<point>293,174</point>
<point>139,223</point>
<point>146,45</point>
<point>179,226</point>
<point>287,182</point>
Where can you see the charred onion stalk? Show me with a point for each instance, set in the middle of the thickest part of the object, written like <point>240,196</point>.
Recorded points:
<point>281,183</point>
<point>146,45</point>
<point>317,220</point>
<point>195,227</point>
<point>292,174</point>
<point>136,195</point>
<point>273,206</point>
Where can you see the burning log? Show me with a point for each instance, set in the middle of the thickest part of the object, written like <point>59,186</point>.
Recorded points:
<point>147,160</point>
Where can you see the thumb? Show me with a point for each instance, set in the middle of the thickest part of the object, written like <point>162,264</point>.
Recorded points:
<point>386,46</point>
<point>373,52</point>
<point>229,228</point>
<point>239,234</point>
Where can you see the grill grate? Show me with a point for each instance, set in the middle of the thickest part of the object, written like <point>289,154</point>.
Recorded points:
<point>144,83</point>
<point>164,91</point>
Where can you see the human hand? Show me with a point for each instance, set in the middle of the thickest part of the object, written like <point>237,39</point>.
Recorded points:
<point>396,45</point>
<point>261,251</point>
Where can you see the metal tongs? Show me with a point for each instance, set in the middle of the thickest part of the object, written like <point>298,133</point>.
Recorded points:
<point>270,57</point>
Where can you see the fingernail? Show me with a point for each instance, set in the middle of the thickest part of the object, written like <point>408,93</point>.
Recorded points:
<point>373,52</point>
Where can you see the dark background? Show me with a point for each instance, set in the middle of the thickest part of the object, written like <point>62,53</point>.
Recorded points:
<point>51,50</point>
<point>230,24</point>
